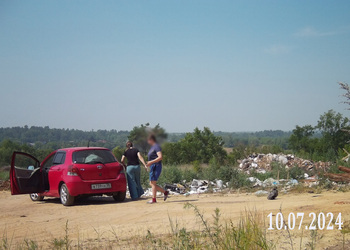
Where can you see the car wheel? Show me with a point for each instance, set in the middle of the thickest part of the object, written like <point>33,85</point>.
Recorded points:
<point>36,197</point>
<point>66,198</point>
<point>120,196</point>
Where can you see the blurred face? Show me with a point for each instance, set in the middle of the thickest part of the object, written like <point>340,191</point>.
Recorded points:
<point>150,142</point>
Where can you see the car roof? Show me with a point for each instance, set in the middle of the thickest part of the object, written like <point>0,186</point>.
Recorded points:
<point>81,148</point>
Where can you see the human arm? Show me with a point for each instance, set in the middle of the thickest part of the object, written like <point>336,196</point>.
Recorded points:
<point>158,159</point>
<point>141,159</point>
<point>123,160</point>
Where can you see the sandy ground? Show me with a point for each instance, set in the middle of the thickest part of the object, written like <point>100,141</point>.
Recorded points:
<point>101,217</point>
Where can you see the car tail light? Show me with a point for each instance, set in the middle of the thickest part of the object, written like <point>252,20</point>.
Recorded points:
<point>122,169</point>
<point>72,171</point>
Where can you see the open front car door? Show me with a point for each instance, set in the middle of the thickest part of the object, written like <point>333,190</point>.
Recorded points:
<point>25,174</point>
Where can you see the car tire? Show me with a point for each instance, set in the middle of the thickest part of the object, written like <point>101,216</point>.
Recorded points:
<point>36,197</point>
<point>120,196</point>
<point>66,198</point>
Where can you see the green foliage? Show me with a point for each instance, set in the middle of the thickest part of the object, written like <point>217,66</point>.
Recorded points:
<point>296,173</point>
<point>196,166</point>
<point>249,233</point>
<point>201,146</point>
<point>7,148</point>
<point>4,175</point>
<point>279,171</point>
<point>62,243</point>
<point>31,244</point>
<point>261,138</point>
<point>52,138</point>
<point>301,139</point>
<point>138,135</point>
<point>118,152</point>
<point>188,174</point>
<point>332,126</point>
<point>236,178</point>
<point>171,174</point>
<point>332,135</point>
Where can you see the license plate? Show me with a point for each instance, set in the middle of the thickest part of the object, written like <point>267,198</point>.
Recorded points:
<point>101,186</point>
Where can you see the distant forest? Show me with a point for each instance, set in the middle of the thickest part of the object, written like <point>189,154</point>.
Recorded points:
<point>52,138</point>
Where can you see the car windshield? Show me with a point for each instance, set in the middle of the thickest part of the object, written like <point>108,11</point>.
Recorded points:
<point>93,156</point>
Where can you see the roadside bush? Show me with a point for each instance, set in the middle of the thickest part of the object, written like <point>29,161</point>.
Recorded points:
<point>4,175</point>
<point>118,152</point>
<point>170,174</point>
<point>296,173</point>
<point>189,174</point>
<point>262,176</point>
<point>196,166</point>
<point>209,173</point>
<point>144,178</point>
<point>238,179</point>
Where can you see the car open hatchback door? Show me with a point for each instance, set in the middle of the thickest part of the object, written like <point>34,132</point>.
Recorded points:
<point>25,174</point>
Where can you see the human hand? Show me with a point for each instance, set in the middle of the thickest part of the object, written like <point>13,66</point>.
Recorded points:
<point>148,164</point>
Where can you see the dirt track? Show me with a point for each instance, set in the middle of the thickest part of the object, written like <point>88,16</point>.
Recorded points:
<point>100,217</point>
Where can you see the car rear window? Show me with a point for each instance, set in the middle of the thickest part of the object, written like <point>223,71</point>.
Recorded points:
<point>93,156</point>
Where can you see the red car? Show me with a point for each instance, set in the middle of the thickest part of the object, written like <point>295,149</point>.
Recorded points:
<point>68,173</point>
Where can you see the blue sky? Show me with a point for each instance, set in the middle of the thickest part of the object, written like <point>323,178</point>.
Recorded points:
<point>228,65</point>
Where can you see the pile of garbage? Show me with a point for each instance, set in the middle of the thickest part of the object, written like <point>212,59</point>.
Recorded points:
<point>261,163</point>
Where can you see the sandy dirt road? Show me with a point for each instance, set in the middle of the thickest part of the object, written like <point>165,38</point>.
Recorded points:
<point>21,218</point>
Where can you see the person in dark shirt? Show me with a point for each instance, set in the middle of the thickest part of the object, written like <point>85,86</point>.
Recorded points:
<point>133,170</point>
<point>155,157</point>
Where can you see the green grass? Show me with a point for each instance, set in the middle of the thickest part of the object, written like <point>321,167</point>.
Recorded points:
<point>4,175</point>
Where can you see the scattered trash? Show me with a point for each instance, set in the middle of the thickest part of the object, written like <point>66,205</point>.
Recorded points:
<point>255,181</point>
<point>270,182</point>
<point>262,163</point>
<point>148,193</point>
<point>176,188</point>
<point>292,182</point>
<point>195,187</point>
<point>261,193</point>
<point>219,184</point>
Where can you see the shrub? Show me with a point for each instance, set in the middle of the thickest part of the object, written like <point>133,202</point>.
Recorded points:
<point>4,175</point>
<point>170,174</point>
<point>296,173</point>
<point>238,179</point>
<point>189,174</point>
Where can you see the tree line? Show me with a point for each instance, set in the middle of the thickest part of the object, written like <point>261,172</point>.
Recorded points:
<point>199,146</point>
<point>326,141</point>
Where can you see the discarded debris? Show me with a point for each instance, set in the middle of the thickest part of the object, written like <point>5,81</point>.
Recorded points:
<point>194,187</point>
<point>273,194</point>
<point>177,188</point>
<point>261,193</point>
<point>261,163</point>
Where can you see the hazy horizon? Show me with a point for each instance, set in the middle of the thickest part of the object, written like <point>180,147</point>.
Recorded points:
<point>226,65</point>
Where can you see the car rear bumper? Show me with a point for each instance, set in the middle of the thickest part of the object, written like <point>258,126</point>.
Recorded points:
<point>77,186</point>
